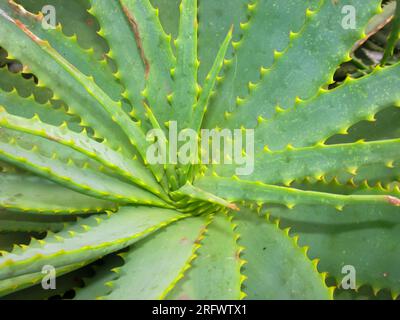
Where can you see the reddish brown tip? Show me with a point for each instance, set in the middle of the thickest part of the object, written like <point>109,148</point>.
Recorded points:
<point>393,201</point>
<point>233,207</point>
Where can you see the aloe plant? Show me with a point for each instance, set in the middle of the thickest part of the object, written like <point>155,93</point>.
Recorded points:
<point>77,185</point>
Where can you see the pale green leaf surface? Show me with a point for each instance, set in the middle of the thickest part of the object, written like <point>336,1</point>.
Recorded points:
<point>36,195</point>
<point>215,273</point>
<point>276,268</point>
<point>153,265</point>
<point>89,238</point>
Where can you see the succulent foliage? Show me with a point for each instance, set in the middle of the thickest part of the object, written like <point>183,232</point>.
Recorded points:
<point>77,191</point>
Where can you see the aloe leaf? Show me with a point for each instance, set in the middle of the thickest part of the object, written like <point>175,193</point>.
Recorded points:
<point>151,259</point>
<point>385,125</point>
<point>81,192</point>
<point>335,186</point>
<point>277,267</point>
<point>215,273</point>
<point>372,174</point>
<point>21,282</point>
<point>215,20</point>
<point>362,236</point>
<point>68,47</point>
<point>21,96</point>
<point>100,284</point>
<point>42,157</point>
<point>131,169</point>
<point>24,87</point>
<point>156,53</point>
<point>201,107</point>
<point>80,242</point>
<point>169,173</point>
<point>121,34</point>
<point>65,285</point>
<point>81,25</point>
<point>36,195</point>
<point>266,29</point>
<point>308,62</point>
<point>199,194</point>
<point>185,88</point>
<point>236,190</point>
<point>104,113</point>
<point>28,107</point>
<point>359,100</point>
<point>169,15</point>
<point>294,163</point>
